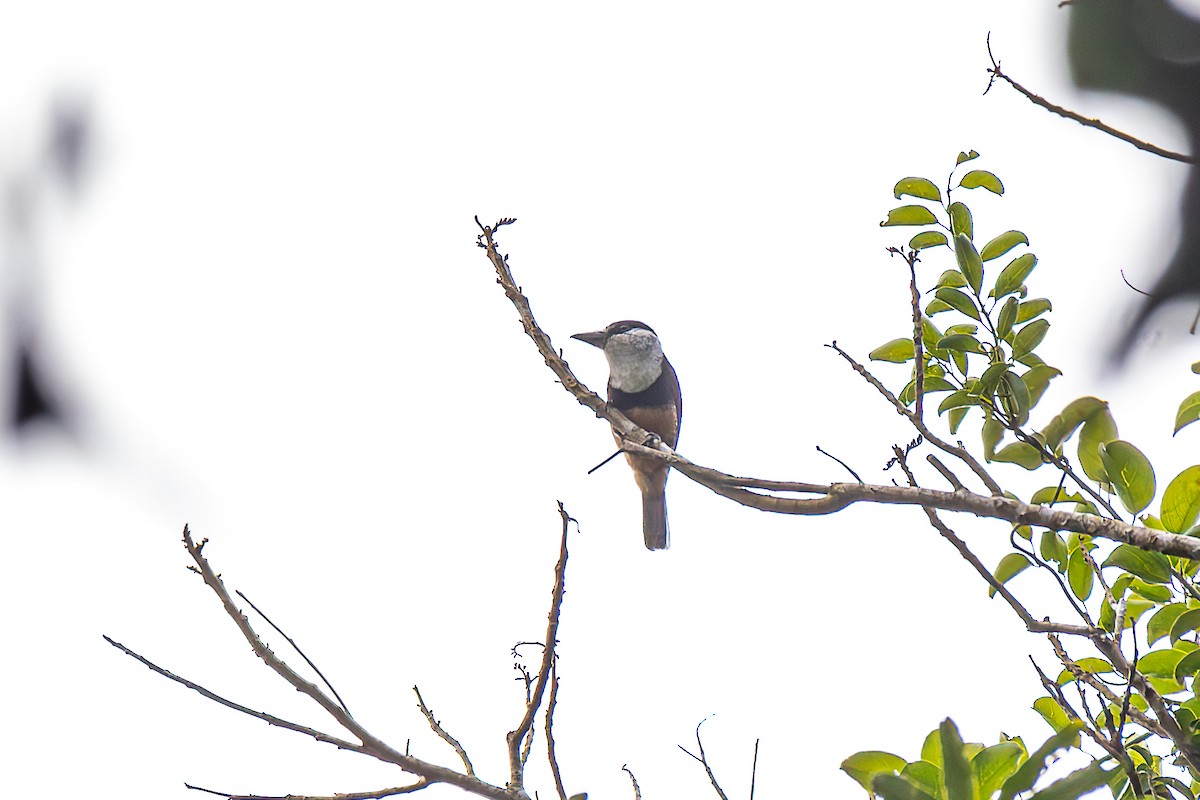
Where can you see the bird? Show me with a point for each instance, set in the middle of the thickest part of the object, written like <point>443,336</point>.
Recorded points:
<point>643,386</point>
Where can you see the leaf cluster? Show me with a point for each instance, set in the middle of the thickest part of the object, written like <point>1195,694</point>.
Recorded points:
<point>950,769</point>
<point>990,356</point>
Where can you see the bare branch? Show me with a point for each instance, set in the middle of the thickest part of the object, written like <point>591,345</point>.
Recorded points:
<point>440,731</point>
<point>296,647</point>
<point>836,496</point>
<point>551,755</point>
<point>950,477</point>
<point>515,737</point>
<point>373,795</point>
<point>704,761</point>
<point>637,790</point>
<point>270,719</point>
<point>996,73</point>
<point>369,744</point>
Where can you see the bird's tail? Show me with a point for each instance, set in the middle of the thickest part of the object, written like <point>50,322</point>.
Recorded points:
<point>654,521</point>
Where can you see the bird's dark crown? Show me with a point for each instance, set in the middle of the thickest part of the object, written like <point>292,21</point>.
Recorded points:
<point>626,325</point>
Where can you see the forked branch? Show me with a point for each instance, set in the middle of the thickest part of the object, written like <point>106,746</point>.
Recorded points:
<point>775,496</point>
<point>427,773</point>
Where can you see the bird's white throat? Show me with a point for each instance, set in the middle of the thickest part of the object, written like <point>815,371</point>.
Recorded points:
<point>635,360</point>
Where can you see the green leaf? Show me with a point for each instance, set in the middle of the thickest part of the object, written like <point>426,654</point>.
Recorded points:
<point>1016,397</point>
<point>1049,495</point>
<point>893,787</point>
<point>1163,620</point>
<point>958,399</point>
<point>1187,666</point>
<point>1075,785</point>
<point>896,351</point>
<point>1091,665</point>
<point>1064,424</point>
<point>956,771</point>
<point>1160,663</point>
<point>1033,308</point>
<point>924,776</point>
<point>1007,317</point>
<point>1181,501</point>
<point>991,435</point>
<point>958,300</point>
<point>1038,380</point>
<point>1009,567</point>
<point>963,343</point>
<point>1189,411</point>
<point>1013,276</point>
<point>1029,337</point>
<point>1149,566</point>
<point>864,766</point>
<point>931,748</point>
<point>986,385</point>
<point>966,157</point>
<point>960,220</point>
<point>909,215</point>
<point>1099,428</point>
<point>936,306</point>
<point>952,278</point>
<point>1185,623</point>
<point>927,239</point>
<point>932,384</point>
<point>1179,786</point>
<point>969,262</point>
<point>1027,774</point>
<point>918,187</point>
<point>994,765</point>
<point>1079,575</point>
<point>1130,473</point>
<point>1002,244</point>
<point>1155,592</point>
<point>1052,548</point>
<point>957,415</point>
<point>1020,453</point>
<point>978,177</point>
<point>1050,711</point>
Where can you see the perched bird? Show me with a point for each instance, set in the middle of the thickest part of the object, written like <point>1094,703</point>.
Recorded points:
<point>642,386</point>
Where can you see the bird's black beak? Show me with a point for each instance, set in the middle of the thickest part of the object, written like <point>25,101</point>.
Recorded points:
<point>595,338</point>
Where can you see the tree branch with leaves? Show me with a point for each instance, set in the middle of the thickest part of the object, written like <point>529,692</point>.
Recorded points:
<point>1127,574</point>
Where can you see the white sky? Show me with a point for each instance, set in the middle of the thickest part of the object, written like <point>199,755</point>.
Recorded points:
<point>269,306</point>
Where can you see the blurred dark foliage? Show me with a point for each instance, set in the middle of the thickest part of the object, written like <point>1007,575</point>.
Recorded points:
<point>1148,49</point>
<point>61,164</point>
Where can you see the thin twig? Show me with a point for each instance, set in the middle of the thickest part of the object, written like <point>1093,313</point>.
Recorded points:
<point>637,790</point>
<point>374,795</point>
<point>1082,675</point>
<point>703,759</point>
<point>918,338</point>
<point>1089,122</point>
<point>296,647</point>
<point>1056,694</point>
<point>443,733</point>
<point>551,755</point>
<point>958,452</point>
<point>946,473</point>
<point>754,769</point>
<point>270,719</point>
<point>838,460</point>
